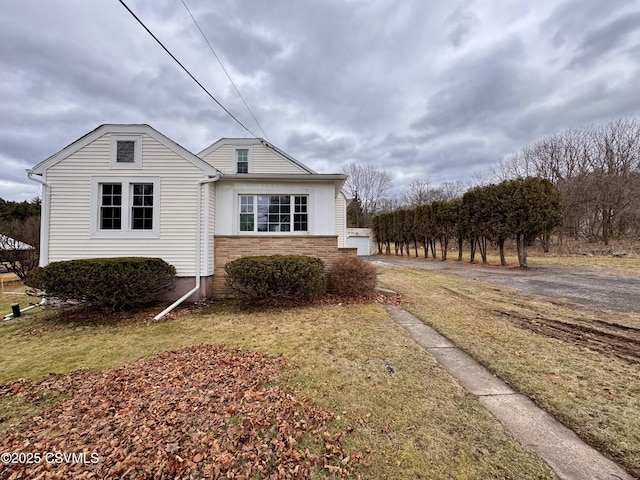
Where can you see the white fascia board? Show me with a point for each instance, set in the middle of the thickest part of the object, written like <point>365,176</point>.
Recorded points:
<point>287,156</point>
<point>285,177</point>
<point>229,141</point>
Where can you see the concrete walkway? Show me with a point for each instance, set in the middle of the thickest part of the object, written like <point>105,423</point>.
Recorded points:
<point>564,452</point>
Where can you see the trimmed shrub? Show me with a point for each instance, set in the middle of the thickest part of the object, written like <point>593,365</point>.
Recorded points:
<point>289,277</point>
<point>352,277</point>
<point>111,283</point>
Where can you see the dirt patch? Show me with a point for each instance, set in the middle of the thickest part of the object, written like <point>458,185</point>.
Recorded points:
<point>202,412</point>
<point>607,338</point>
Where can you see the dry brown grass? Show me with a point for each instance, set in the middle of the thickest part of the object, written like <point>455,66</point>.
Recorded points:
<point>595,394</point>
<point>583,255</point>
<point>416,424</point>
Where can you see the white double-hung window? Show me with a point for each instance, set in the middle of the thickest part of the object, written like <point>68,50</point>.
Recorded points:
<point>242,160</point>
<point>125,207</point>
<point>274,213</point>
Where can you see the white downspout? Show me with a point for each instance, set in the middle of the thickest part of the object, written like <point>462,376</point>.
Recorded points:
<point>26,309</point>
<point>44,217</point>
<point>198,250</point>
<point>44,233</point>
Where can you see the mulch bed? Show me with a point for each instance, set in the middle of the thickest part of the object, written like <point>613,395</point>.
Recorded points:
<point>201,412</point>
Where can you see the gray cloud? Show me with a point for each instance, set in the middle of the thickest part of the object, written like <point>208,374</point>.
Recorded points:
<point>603,40</point>
<point>460,22</point>
<point>421,89</point>
<point>570,20</point>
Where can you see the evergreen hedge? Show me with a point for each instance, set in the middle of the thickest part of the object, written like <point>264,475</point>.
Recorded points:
<point>289,277</point>
<point>111,283</point>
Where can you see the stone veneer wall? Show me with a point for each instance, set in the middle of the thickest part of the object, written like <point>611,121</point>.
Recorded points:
<point>230,247</point>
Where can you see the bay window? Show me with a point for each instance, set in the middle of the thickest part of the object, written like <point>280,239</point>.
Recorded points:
<point>273,213</point>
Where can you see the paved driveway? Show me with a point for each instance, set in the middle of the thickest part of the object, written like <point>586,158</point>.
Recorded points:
<point>589,286</point>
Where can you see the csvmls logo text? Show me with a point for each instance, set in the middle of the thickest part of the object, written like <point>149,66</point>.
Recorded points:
<point>72,457</point>
<point>26,458</point>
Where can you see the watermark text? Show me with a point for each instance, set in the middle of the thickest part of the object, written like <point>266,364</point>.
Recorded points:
<point>25,458</point>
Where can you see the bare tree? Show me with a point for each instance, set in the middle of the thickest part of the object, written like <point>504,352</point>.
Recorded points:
<point>478,179</point>
<point>19,245</point>
<point>389,204</point>
<point>369,185</point>
<point>418,192</point>
<point>596,170</point>
<point>616,156</point>
<point>449,191</point>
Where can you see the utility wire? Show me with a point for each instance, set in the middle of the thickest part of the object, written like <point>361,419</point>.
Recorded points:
<point>224,69</point>
<point>185,69</point>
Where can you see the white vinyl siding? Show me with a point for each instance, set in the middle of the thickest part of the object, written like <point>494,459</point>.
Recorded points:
<point>210,213</point>
<point>262,160</point>
<point>70,218</point>
<point>341,219</point>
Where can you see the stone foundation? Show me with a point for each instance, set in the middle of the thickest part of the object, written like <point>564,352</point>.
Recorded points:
<point>231,247</point>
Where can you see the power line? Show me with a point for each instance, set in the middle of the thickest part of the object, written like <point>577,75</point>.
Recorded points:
<point>225,70</point>
<point>185,69</point>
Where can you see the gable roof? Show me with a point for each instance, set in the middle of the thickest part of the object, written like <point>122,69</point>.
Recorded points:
<point>253,141</point>
<point>124,129</point>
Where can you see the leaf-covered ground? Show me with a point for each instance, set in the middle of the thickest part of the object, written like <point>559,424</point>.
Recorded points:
<point>202,412</point>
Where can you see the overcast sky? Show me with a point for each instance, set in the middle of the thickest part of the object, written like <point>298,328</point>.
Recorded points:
<point>434,90</point>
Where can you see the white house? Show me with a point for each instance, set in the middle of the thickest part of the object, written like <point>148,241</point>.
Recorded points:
<point>128,190</point>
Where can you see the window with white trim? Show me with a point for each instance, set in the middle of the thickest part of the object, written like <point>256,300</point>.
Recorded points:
<point>125,207</point>
<point>242,160</point>
<point>110,206</point>
<point>273,213</point>
<point>126,151</point>
<point>142,208</point>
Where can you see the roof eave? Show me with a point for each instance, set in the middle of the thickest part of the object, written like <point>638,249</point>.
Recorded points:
<point>338,179</point>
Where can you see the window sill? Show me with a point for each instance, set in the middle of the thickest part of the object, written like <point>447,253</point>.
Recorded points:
<point>125,234</point>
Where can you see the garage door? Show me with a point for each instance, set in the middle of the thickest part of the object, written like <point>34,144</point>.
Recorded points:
<point>361,243</point>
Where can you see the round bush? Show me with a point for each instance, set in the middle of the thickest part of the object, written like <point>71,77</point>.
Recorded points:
<point>272,277</point>
<point>112,283</point>
<point>352,277</point>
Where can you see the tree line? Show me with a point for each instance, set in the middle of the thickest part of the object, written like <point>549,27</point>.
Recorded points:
<point>597,171</point>
<point>522,208</point>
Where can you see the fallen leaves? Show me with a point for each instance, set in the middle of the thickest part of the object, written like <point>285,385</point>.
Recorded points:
<point>202,412</point>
